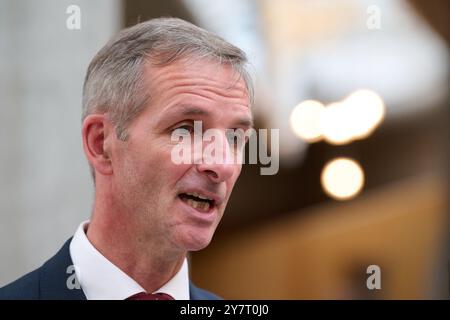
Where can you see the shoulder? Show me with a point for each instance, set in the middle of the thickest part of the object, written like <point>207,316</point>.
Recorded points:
<point>201,294</point>
<point>24,288</point>
<point>48,282</point>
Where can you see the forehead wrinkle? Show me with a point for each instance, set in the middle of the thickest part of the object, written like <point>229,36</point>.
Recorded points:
<point>167,78</point>
<point>199,83</point>
<point>171,85</point>
<point>179,70</point>
<point>211,97</point>
<point>203,90</point>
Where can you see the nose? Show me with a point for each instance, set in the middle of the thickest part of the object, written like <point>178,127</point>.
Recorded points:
<point>218,160</point>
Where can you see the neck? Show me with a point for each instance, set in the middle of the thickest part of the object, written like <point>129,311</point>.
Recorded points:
<point>119,237</point>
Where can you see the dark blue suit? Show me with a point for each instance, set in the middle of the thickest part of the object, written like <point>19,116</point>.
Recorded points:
<point>49,282</point>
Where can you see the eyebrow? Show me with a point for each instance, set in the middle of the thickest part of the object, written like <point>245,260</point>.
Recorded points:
<point>190,110</point>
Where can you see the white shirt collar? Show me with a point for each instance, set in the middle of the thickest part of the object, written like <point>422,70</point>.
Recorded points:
<point>100,279</point>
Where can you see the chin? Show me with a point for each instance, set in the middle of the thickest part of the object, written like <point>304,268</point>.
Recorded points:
<point>194,240</point>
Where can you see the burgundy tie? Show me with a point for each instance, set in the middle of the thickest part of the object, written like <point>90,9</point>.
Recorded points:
<point>151,296</point>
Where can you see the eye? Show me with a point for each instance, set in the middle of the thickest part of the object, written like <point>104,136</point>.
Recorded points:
<point>183,128</point>
<point>236,138</point>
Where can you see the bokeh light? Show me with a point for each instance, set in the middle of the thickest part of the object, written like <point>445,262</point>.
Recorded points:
<point>305,120</point>
<point>355,117</point>
<point>366,110</point>
<point>336,125</point>
<point>342,178</point>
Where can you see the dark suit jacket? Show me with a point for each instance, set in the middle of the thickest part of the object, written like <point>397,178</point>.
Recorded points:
<point>49,282</point>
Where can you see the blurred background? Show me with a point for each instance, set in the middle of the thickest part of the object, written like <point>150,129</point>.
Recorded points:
<point>359,92</point>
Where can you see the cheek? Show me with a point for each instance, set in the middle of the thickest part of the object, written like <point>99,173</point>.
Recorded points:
<point>139,167</point>
<point>167,170</point>
<point>232,181</point>
<point>176,167</point>
<point>176,172</point>
<point>237,171</point>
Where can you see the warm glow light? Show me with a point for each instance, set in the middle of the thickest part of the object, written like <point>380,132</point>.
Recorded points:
<point>366,110</point>
<point>305,120</point>
<point>342,178</point>
<point>355,117</point>
<point>336,124</point>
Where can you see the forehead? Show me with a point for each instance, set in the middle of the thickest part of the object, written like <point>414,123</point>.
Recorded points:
<point>205,88</point>
<point>204,78</point>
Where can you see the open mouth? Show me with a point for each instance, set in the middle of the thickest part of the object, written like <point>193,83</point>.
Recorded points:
<point>197,201</point>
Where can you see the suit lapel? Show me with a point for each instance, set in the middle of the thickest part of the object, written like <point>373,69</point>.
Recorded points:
<point>57,277</point>
<point>200,294</point>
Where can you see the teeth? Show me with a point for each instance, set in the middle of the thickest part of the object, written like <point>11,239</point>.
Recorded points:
<point>204,206</point>
<point>198,205</point>
<point>195,194</point>
<point>193,203</point>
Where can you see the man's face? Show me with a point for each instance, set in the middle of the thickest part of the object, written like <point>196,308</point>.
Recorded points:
<point>163,197</point>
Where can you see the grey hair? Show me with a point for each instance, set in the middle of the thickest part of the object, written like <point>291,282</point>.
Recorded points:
<point>114,82</point>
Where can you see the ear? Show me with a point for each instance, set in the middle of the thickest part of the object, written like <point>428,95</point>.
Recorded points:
<point>96,132</point>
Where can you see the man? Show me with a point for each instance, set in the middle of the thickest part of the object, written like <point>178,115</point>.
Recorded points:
<point>151,81</point>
